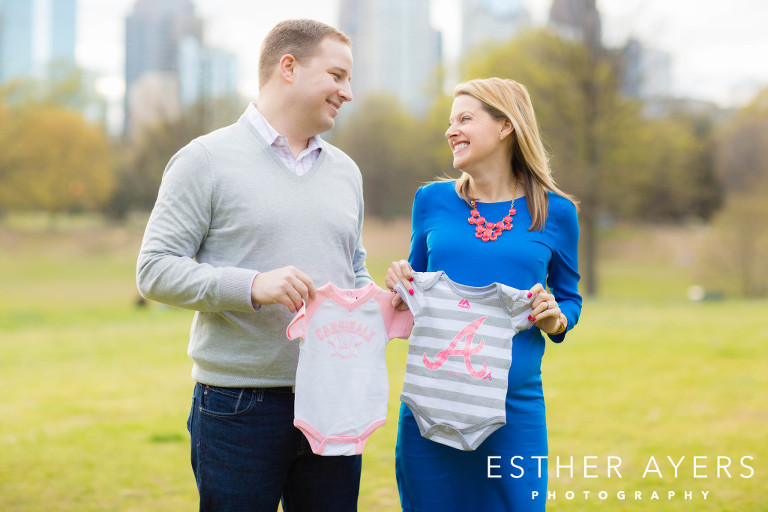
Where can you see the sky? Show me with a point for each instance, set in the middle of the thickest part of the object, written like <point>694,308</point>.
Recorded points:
<point>719,49</point>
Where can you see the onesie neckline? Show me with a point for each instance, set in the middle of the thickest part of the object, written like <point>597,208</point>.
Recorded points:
<point>338,296</point>
<point>466,291</point>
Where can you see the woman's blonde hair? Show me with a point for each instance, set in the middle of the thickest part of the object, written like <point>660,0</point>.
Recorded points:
<point>507,99</point>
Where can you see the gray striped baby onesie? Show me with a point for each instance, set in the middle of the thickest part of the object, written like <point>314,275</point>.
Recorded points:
<point>459,355</point>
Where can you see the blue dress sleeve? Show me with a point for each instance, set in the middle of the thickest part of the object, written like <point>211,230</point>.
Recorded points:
<point>563,276</point>
<point>418,256</point>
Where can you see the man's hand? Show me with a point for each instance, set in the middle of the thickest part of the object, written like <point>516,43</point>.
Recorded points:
<point>288,286</point>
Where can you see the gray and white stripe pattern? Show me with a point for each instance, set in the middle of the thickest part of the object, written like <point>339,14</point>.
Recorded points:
<point>459,355</point>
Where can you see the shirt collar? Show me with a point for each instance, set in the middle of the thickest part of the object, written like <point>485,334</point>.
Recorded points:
<point>271,135</point>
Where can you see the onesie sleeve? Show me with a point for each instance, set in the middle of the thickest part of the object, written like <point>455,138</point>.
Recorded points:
<point>418,256</point>
<point>298,326</point>
<point>563,277</point>
<point>518,306</point>
<point>413,301</point>
<point>397,323</point>
<point>402,324</point>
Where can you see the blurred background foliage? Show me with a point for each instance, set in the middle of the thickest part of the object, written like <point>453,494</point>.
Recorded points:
<point>704,167</point>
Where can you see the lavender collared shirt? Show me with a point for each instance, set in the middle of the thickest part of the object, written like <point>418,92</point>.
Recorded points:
<point>301,164</point>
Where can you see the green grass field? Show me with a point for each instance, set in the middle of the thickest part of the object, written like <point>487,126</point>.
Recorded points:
<point>99,390</point>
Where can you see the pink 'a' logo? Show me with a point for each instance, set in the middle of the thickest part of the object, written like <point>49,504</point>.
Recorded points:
<point>464,303</point>
<point>468,350</point>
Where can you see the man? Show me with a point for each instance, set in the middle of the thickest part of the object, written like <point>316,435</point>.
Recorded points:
<point>249,220</point>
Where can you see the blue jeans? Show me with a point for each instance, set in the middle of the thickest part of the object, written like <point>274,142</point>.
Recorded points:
<point>247,455</point>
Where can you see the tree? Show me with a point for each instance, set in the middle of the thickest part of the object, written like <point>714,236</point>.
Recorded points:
<point>53,160</point>
<point>7,162</point>
<point>664,171</point>
<point>742,146</point>
<point>734,257</point>
<point>709,191</point>
<point>735,253</point>
<point>67,86</point>
<point>393,153</point>
<point>140,167</point>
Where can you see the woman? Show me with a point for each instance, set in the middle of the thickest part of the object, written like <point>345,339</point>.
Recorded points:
<point>503,220</point>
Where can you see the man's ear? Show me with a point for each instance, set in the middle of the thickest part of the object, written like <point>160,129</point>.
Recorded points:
<point>287,67</point>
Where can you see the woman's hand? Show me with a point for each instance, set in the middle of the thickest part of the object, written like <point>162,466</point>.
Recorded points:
<point>399,272</point>
<point>545,310</point>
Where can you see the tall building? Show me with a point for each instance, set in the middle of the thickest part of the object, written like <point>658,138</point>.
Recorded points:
<point>63,24</point>
<point>495,21</point>
<point>167,65</point>
<point>647,71</point>
<point>577,20</point>
<point>395,49</point>
<point>153,33</point>
<point>205,72</point>
<point>34,36</point>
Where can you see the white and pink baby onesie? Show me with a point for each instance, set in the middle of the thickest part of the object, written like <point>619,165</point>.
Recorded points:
<point>342,386</point>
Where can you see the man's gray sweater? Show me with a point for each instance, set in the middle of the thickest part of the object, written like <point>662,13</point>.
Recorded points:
<point>228,207</point>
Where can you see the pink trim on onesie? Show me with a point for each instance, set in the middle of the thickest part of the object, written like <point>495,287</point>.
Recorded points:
<point>318,442</point>
<point>399,325</point>
<point>298,328</point>
<point>342,297</point>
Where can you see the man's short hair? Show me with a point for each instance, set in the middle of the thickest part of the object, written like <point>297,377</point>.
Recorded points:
<point>299,38</point>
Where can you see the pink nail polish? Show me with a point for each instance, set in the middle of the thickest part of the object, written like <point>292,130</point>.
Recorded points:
<point>530,295</point>
<point>410,279</point>
<point>533,319</point>
<point>410,291</point>
<point>529,317</point>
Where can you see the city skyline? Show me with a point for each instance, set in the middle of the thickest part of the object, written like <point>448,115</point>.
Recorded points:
<point>34,36</point>
<point>395,51</point>
<point>714,47</point>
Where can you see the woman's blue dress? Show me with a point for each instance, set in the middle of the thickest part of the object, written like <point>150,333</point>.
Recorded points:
<point>508,468</point>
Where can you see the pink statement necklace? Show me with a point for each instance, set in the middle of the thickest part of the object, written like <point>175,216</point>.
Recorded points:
<point>489,231</point>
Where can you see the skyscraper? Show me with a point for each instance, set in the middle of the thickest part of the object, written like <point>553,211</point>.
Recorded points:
<point>63,23</point>
<point>167,65</point>
<point>153,32</point>
<point>35,34</point>
<point>205,72</point>
<point>647,71</point>
<point>491,20</point>
<point>395,49</point>
<point>578,20</point>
